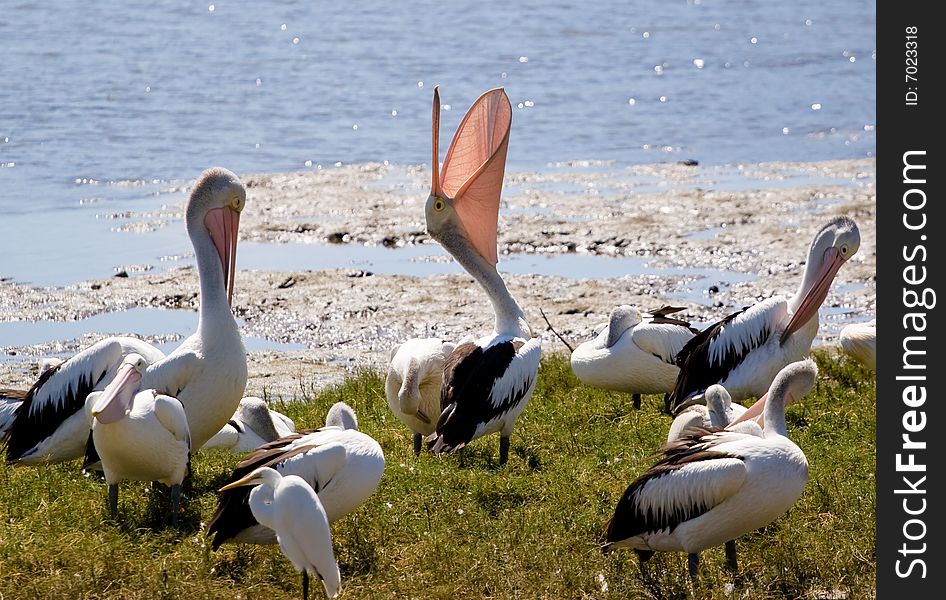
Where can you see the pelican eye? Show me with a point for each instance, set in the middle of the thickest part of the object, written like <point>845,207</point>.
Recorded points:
<point>439,205</point>
<point>844,250</point>
<point>237,203</point>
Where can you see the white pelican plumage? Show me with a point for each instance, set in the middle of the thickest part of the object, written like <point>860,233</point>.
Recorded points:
<point>713,487</point>
<point>343,466</point>
<point>634,352</point>
<point>412,385</point>
<point>859,340</point>
<point>745,351</point>
<point>287,505</point>
<point>252,425</point>
<point>207,372</point>
<point>486,383</point>
<point>139,436</point>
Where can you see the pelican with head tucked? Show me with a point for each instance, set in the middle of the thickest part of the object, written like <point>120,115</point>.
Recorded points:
<point>252,425</point>
<point>744,351</point>
<point>206,373</point>
<point>412,385</point>
<point>634,352</point>
<point>486,383</point>
<point>859,341</point>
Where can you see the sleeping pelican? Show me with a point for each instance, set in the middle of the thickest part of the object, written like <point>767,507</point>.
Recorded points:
<point>252,425</point>
<point>634,352</point>
<point>139,436</point>
<point>859,341</point>
<point>343,466</point>
<point>744,351</point>
<point>206,373</point>
<point>486,383</point>
<point>412,385</point>
<point>290,507</point>
<point>712,487</point>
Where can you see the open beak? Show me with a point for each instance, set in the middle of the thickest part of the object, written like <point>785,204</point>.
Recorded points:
<point>118,396</point>
<point>223,224</point>
<point>816,295</point>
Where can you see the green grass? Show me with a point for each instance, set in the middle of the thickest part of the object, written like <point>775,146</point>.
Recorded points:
<point>434,530</point>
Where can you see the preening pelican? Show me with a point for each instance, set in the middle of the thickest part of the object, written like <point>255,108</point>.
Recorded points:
<point>486,383</point>
<point>634,352</point>
<point>412,385</point>
<point>342,416</point>
<point>859,340</point>
<point>252,425</point>
<point>139,436</point>
<point>745,351</point>
<point>718,412</point>
<point>207,372</point>
<point>289,506</point>
<point>712,488</point>
<point>343,466</point>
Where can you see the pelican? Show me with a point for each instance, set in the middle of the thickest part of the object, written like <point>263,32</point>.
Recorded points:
<point>343,466</point>
<point>712,487</point>
<point>718,412</point>
<point>745,350</point>
<point>412,385</point>
<point>287,505</point>
<point>634,352</point>
<point>859,340</point>
<point>486,383</point>
<point>139,436</point>
<point>206,373</point>
<point>342,416</point>
<point>10,401</point>
<point>252,425</point>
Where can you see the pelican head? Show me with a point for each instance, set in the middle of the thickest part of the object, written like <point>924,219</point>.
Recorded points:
<point>464,195</point>
<point>115,401</point>
<point>341,415</point>
<point>622,318</point>
<point>719,405</point>
<point>255,413</point>
<point>213,209</point>
<point>834,244</point>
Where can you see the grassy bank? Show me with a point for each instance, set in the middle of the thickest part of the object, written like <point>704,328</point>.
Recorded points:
<point>433,530</point>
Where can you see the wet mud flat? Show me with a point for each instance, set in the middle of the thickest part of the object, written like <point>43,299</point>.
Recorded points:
<point>750,225</point>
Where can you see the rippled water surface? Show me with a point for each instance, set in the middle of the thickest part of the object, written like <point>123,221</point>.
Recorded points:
<point>161,90</point>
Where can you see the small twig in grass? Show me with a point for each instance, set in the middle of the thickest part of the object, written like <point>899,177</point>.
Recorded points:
<point>552,329</point>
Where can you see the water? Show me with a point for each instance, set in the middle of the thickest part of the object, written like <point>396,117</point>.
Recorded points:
<point>94,96</point>
<point>173,325</point>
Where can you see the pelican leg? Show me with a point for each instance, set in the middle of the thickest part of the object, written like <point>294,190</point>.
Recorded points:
<point>305,584</point>
<point>693,562</point>
<point>636,398</point>
<point>503,449</point>
<point>418,441</point>
<point>113,500</point>
<point>731,563</point>
<point>175,503</point>
<point>667,404</point>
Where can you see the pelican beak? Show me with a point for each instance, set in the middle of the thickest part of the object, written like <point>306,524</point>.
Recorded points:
<point>223,224</point>
<point>472,174</point>
<point>691,401</point>
<point>816,295</point>
<point>117,398</point>
<point>753,411</point>
<point>435,190</point>
<point>251,479</point>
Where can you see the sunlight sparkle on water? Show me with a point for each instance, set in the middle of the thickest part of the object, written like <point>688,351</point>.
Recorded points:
<point>753,40</point>
<point>699,62</point>
<point>816,106</point>
<point>632,101</point>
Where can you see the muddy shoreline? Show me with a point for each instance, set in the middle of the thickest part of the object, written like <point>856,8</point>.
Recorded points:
<point>755,219</point>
